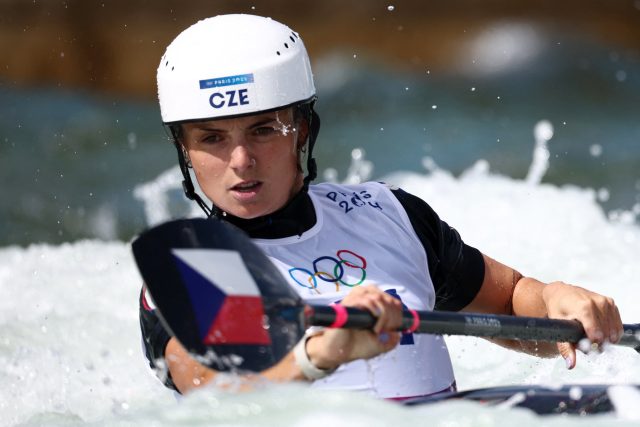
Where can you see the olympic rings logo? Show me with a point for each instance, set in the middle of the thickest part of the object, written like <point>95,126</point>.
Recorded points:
<point>331,270</point>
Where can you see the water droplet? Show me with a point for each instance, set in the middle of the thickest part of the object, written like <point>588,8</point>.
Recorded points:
<point>433,107</point>
<point>584,345</point>
<point>473,89</point>
<point>595,150</point>
<point>543,130</point>
<point>132,140</point>
<point>391,8</point>
<point>236,359</point>
<point>357,153</point>
<point>429,164</point>
<point>603,194</point>
<point>331,175</point>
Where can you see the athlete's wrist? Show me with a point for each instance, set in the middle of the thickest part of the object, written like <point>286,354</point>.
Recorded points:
<point>316,351</point>
<point>308,356</point>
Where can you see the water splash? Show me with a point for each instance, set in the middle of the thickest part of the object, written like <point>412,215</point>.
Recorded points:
<point>155,197</point>
<point>283,128</point>
<point>503,47</point>
<point>360,170</point>
<point>104,222</point>
<point>626,401</point>
<point>543,132</point>
<point>97,387</point>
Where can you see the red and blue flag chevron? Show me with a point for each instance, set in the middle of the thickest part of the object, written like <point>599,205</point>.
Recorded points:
<point>225,298</point>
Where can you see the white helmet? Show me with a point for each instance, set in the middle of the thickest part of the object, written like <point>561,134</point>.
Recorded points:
<point>232,65</point>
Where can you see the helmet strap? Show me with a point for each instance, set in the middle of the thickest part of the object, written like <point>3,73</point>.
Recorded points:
<point>187,183</point>
<point>314,129</point>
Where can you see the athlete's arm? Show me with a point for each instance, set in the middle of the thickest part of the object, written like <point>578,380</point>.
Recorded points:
<point>497,296</point>
<point>467,280</point>
<point>326,351</point>
<point>506,291</point>
<point>188,374</point>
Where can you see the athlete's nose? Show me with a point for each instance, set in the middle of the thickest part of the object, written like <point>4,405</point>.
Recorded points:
<point>241,158</point>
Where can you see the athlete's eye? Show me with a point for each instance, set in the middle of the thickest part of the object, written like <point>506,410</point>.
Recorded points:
<point>265,131</point>
<point>211,138</point>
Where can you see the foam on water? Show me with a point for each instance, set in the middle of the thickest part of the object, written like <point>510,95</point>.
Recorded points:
<point>70,347</point>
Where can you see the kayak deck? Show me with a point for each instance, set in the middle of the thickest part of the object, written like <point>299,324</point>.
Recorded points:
<point>578,399</point>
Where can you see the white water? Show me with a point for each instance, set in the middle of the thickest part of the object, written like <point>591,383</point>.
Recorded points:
<point>70,347</point>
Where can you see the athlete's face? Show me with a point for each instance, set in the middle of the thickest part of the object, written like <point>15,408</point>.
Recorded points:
<point>248,166</point>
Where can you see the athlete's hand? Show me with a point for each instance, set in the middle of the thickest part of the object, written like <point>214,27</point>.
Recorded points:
<point>337,346</point>
<point>598,314</point>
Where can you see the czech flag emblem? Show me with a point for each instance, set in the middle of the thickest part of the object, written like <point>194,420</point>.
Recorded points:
<point>225,298</point>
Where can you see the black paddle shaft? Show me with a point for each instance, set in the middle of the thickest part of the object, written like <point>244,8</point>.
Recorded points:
<point>474,324</point>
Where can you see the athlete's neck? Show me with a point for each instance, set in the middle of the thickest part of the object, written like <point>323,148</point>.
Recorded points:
<point>296,217</point>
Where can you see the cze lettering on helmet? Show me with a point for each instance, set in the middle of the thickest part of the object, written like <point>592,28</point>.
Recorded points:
<point>230,98</point>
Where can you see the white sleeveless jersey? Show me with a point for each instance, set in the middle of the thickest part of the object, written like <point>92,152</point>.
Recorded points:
<point>363,236</point>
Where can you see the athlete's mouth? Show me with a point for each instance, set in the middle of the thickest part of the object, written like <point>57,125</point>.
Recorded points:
<point>246,186</point>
